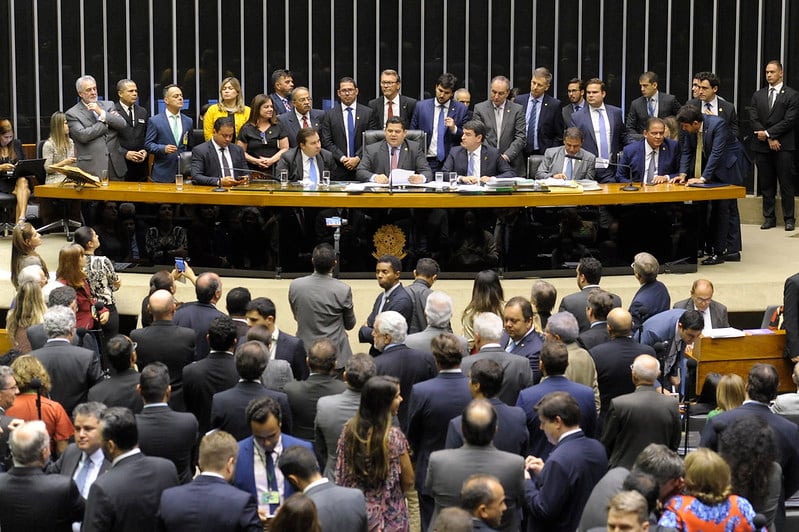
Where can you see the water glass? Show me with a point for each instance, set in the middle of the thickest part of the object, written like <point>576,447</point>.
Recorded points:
<point>104,178</point>
<point>453,180</point>
<point>178,181</point>
<point>284,178</point>
<point>439,177</point>
<point>325,178</point>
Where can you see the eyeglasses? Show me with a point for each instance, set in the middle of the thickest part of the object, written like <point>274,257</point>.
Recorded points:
<point>15,387</point>
<point>388,82</point>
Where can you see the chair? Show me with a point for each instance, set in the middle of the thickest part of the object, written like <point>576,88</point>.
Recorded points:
<point>8,204</point>
<point>184,164</point>
<point>533,162</point>
<point>376,135</point>
<point>767,316</point>
<point>694,424</point>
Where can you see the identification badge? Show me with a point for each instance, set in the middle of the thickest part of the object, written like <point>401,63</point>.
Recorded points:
<point>270,497</point>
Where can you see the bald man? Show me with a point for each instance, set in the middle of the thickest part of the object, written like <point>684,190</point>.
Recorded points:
<point>701,299</point>
<point>199,314</point>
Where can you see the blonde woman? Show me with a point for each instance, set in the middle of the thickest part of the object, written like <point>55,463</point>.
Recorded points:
<point>231,102</point>
<point>730,393</point>
<point>58,150</point>
<point>28,310</point>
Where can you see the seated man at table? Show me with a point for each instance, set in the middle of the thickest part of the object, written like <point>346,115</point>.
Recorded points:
<point>474,161</point>
<point>380,158</point>
<point>569,161</point>
<point>307,161</point>
<point>651,160</point>
<point>219,161</point>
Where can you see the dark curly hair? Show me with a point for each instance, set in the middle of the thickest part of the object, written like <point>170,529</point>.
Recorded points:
<point>749,446</point>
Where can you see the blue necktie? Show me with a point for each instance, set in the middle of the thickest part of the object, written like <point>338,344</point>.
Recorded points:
<point>80,480</point>
<point>603,136</point>
<point>510,347</point>
<point>440,138</point>
<point>651,106</point>
<point>271,479</point>
<point>532,124</point>
<point>312,173</point>
<point>351,132</point>
<point>470,169</point>
<point>569,168</point>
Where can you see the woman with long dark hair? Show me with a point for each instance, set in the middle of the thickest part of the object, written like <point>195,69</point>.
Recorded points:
<point>24,241</point>
<point>70,272</point>
<point>10,154</point>
<point>262,137</point>
<point>103,279</point>
<point>297,514</point>
<point>487,296</point>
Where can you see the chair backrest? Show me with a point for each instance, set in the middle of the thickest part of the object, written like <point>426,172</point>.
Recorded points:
<point>184,164</point>
<point>197,137</point>
<point>768,315</point>
<point>39,149</point>
<point>533,162</point>
<point>376,135</point>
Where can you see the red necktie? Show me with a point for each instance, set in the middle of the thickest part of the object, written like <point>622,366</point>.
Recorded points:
<point>394,158</point>
<point>304,121</point>
<point>391,109</point>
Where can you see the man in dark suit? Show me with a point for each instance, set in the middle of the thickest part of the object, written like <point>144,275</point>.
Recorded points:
<point>610,124</point>
<point>504,125</point>
<point>198,315</point>
<point>303,395</point>
<point>380,158</point>
<point>651,103</point>
<point>259,453</point>
<point>651,160</point>
<point>483,497</point>
<point>652,296</point>
<point>542,114</point>
<point>342,130</point>
<point>32,500</point>
<point>576,94</point>
<point>520,337</point>
<point>119,389</point>
<point>430,402</point>
<point>637,419</point>
<point>214,373</point>
<point>73,370</point>
<point>710,103</point>
<point>599,304</point>
<point>394,297</point>
<point>209,503</point>
<point>391,103</point>
<point>570,161</point>
<point>790,303</point>
<point>111,505</point>
<point>284,346</point>
<point>559,488</point>
<point>307,160</point>
<point>162,431</point>
<point>701,299</point>
<point>219,162</point>
<point>589,273</point>
<point>337,507</point>
<point>168,135</point>
<point>442,118</point>
<point>301,116</point>
<point>283,84</point>
<point>554,360</point>
<point>773,115</point>
<point>670,332</point>
<point>474,160</point>
<point>131,138</point>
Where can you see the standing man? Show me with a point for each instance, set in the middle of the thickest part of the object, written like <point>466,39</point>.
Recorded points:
<point>773,115</point>
<point>300,116</point>
<point>93,125</point>
<point>604,133</point>
<point>569,161</point>
<point>219,161</point>
<point>307,160</point>
<point>168,135</point>
<point>520,336</point>
<point>391,103</point>
<point>380,158</point>
<point>474,161</point>
<point>394,297</point>
<point>442,118</point>
<point>652,160</point>
<point>651,103</point>
<point>131,138</point>
<point>504,124</point>
<point>342,130</point>
<point>284,346</point>
<point>710,103</point>
<point>424,275</point>
<point>198,315</point>
<point>120,388</point>
<point>589,273</point>
<point>483,497</point>
<point>283,84</point>
<point>542,114</point>
<point>576,93</point>
<point>672,331</point>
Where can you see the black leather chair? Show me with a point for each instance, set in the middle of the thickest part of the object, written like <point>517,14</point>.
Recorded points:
<point>376,135</point>
<point>533,162</point>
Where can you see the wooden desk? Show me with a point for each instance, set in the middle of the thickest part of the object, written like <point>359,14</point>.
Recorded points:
<point>295,197</point>
<point>738,355</point>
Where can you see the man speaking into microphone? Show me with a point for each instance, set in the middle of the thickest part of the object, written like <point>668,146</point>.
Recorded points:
<point>569,161</point>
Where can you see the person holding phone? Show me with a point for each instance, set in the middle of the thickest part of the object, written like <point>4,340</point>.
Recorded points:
<point>219,161</point>
<point>103,279</point>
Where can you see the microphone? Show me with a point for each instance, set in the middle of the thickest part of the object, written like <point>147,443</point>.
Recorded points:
<point>759,521</point>
<point>630,187</point>
<point>35,383</point>
<point>575,157</point>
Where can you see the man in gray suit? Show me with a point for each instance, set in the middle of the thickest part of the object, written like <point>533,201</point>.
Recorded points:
<point>569,161</point>
<point>93,125</point>
<point>517,372</point>
<point>701,299</point>
<point>438,313</point>
<point>339,509</point>
<point>322,305</point>
<point>504,121</point>
<point>448,469</point>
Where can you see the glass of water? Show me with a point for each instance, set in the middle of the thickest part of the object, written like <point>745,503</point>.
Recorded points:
<point>104,178</point>
<point>453,180</point>
<point>439,177</point>
<point>178,181</point>
<point>325,178</point>
<point>284,178</point>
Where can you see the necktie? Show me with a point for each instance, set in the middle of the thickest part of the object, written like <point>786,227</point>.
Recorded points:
<point>651,107</point>
<point>771,93</point>
<point>312,173</point>
<point>569,168</point>
<point>304,121</point>
<point>470,169</point>
<point>225,166</point>
<point>80,480</point>
<point>510,347</point>
<point>440,133</point>
<point>498,118</point>
<point>650,171</point>
<point>350,132</point>
<point>382,303</point>
<point>532,124</point>
<point>175,129</point>
<point>271,479</point>
<point>286,104</point>
<point>390,109</point>
<point>577,108</point>
<point>394,158</point>
<point>708,109</point>
<point>130,113</point>
<point>698,156</point>
<point>603,135</point>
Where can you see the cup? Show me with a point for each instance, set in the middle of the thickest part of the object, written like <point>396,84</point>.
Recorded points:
<point>325,178</point>
<point>104,178</point>
<point>453,180</point>
<point>439,177</point>
<point>178,181</point>
<point>284,178</point>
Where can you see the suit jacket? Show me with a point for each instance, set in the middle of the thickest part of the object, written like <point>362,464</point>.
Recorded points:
<point>431,402</point>
<point>208,504</point>
<point>418,290</point>
<point>786,403</point>
<point>159,136</point>
<point>529,347</point>
<point>595,512</point>
<point>204,378</point>
<point>512,139</point>
<point>582,370</point>
<point>557,496</point>
<point>594,335</point>
<point>513,436</point>
<point>303,396</point>
<point>279,106</point>
<point>448,469</point>
<point>724,159</point>
<point>491,162</point>
<point>582,168</point>
<point>613,374</point>
<point>422,339</point>
<point>517,373</point>
<point>73,370</point>
<point>205,166</point>
<point>406,107</point>
<point>568,111</point>
<point>650,299</point>
<point>529,398</point>
<point>409,366</point>
<point>662,327</point>
<point>291,161</point>
<point>292,126</point>
<point>163,341</point>
<point>786,432</point>
<point>399,301</point>
<point>377,160</point>
<point>576,303</point>
<point>168,434</point>
<point>245,463</point>
<point>197,316</point>
<point>618,136</point>
<point>633,161</point>
<point>637,419</point>
<point>779,121</point>
<point>95,141</point>
<point>726,111</point>
<point>292,350</point>
<point>425,113</point>
<point>33,501</point>
<point>550,122</point>
<point>718,311</point>
<point>638,114</point>
<point>790,317</point>
<point>67,463</point>
<point>339,508</point>
<point>333,134</point>
<point>131,137</point>
<point>118,390</point>
<point>227,408</point>
<point>332,412</point>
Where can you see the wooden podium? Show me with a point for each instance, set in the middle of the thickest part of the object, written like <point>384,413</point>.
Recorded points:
<point>738,355</point>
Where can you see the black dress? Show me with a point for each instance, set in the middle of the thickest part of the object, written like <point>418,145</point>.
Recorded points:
<point>261,143</point>
<point>7,182</point>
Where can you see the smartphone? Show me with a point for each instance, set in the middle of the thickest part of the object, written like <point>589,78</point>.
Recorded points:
<point>180,264</point>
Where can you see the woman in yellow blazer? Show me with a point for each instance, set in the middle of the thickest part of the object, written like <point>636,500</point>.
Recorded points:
<point>231,102</point>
